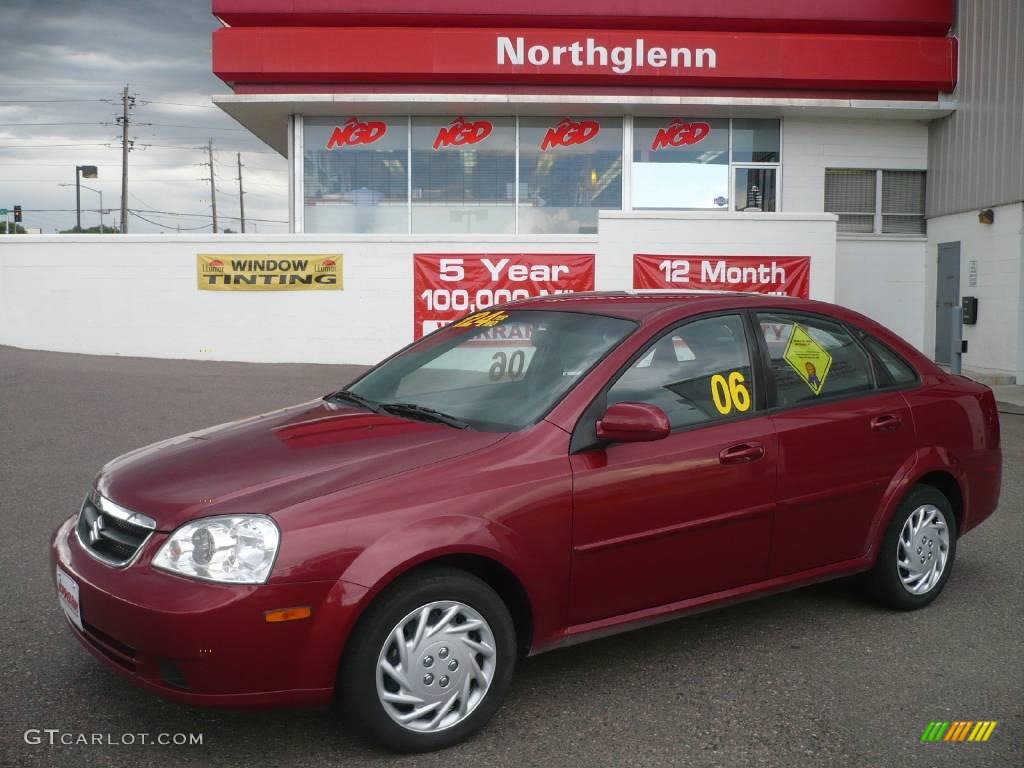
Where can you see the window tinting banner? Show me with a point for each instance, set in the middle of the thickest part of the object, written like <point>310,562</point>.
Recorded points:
<point>269,272</point>
<point>776,275</point>
<point>448,286</point>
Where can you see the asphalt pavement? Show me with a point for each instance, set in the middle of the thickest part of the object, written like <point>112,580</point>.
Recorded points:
<point>816,677</point>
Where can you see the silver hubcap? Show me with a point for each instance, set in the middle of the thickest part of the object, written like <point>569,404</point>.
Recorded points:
<point>923,549</point>
<point>436,666</point>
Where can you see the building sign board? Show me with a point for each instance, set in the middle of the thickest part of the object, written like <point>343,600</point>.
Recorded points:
<point>269,272</point>
<point>448,286</point>
<point>433,56</point>
<point>778,275</point>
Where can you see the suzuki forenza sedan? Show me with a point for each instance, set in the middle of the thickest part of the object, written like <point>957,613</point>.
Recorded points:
<point>533,475</point>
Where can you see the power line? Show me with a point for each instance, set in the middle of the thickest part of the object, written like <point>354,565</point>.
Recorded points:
<point>51,101</point>
<point>180,104</point>
<point>13,125</point>
<point>196,127</point>
<point>165,226</point>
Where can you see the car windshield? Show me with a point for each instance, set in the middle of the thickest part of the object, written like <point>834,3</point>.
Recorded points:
<point>498,370</point>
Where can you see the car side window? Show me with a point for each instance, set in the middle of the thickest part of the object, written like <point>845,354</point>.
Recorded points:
<point>898,368</point>
<point>698,372</point>
<point>813,358</point>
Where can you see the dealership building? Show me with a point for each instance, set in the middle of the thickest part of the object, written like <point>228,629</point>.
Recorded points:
<point>882,141</point>
<point>446,154</point>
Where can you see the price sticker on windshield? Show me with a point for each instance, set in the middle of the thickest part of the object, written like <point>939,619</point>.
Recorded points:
<point>483,320</point>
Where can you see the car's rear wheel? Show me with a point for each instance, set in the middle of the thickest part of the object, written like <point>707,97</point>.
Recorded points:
<point>430,661</point>
<point>917,552</point>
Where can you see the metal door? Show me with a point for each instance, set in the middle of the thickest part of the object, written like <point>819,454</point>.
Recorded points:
<point>947,296</point>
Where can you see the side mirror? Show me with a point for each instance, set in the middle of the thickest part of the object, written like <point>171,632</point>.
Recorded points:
<point>633,423</point>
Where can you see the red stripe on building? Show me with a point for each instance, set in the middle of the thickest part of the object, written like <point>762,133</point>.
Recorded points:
<point>898,17</point>
<point>474,56</point>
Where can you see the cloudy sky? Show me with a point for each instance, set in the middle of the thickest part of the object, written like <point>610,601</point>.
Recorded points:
<point>64,64</point>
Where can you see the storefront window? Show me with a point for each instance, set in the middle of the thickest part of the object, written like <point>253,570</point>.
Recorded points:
<point>356,175</point>
<point>569,169</point>
<point>463,175</point>
<point>680,163</point>
<point>755,141</point>
<point>755,189</point>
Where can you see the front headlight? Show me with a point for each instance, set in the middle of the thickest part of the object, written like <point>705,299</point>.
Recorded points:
<point>237,549</point>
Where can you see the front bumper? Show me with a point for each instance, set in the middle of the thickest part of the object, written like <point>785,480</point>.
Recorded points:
<point>208,644</point>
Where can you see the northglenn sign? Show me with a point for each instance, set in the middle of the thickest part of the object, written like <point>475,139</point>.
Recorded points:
<point>258,58</point>
<point>620,59</point>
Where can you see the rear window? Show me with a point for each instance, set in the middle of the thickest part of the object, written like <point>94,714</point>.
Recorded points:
<point>813,358</point>
<point>899,370</point>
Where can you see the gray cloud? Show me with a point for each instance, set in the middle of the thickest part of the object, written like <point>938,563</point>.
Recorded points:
<point>64,70</point>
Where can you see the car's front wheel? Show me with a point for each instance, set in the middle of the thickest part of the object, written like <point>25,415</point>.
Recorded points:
<point>429,662</point>
<point>917,552</point>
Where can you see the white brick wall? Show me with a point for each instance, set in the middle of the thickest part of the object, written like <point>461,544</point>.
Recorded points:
<point>995,346</point>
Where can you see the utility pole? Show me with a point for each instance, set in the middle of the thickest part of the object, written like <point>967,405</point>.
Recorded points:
<point>241,193</point>
<point>127,102</point>
<point>213,187</point>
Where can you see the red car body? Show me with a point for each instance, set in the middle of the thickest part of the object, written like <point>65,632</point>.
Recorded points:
<point>578,544</point>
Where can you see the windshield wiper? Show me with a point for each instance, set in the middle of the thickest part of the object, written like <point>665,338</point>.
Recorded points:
<point>421,411</point>
<point>352,397</point>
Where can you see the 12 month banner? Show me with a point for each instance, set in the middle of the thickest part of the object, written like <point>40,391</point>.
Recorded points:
<point>448,286</point>
<point>777,275</point>
<point>269,272</point>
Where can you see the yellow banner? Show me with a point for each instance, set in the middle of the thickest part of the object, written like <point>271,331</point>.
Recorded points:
<point>269,271</point>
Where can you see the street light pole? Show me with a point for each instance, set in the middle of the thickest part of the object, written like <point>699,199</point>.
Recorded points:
<point>88,172</point>
<point>99,192</point>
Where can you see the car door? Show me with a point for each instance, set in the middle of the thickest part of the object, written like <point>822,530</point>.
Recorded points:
<point>659,522</point>
<point>841,439</point>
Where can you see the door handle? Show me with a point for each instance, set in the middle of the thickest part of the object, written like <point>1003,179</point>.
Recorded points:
<point>741,454</point>
<point>890,422</point>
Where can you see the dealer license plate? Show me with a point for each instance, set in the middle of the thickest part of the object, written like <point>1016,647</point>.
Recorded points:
<point>67,593</point>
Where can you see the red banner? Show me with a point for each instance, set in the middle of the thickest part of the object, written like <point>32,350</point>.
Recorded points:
<point>529,57</point>
<point>448,286</point>
<point>778,275</point>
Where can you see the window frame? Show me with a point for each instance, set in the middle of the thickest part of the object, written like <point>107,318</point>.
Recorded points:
<point>584,437</point>
<point>878,214</point>
<point>628,149</point>
<point>852,331</point>
<point>890,382</point>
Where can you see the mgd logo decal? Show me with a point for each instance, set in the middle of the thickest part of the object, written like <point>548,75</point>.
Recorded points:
<point>356,132</point>
<point>679,134</point>
<point>569,133</point>
<point>459,132</point>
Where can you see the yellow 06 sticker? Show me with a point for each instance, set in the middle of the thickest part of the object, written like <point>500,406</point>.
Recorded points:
<point>483,320</point>
<point>730,393</point>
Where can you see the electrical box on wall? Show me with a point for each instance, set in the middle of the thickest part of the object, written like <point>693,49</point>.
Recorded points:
<point>970,309</point>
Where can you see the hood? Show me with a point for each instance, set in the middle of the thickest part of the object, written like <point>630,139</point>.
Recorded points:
<point>269,462</point>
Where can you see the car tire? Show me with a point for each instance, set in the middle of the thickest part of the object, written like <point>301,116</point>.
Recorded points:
<point>447,618</point>
<point>917,553</point>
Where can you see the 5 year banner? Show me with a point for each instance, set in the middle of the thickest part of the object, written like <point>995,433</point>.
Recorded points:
<point>448,286</point>
<point>779,275</point>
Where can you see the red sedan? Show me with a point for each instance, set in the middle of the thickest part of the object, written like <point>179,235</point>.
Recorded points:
<point>533,475</point>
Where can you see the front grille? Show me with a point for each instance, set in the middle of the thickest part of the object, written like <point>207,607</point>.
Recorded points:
<point>111,533</point>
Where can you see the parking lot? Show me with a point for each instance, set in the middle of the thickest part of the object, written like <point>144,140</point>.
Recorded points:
<point>813,677</point>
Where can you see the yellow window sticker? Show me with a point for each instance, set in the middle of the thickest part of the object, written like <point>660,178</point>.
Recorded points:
<point>483,320</point>
<point>731,393</point>
<point>808,358</point>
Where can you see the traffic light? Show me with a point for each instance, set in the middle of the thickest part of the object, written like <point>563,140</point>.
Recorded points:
<point>17,214</point>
